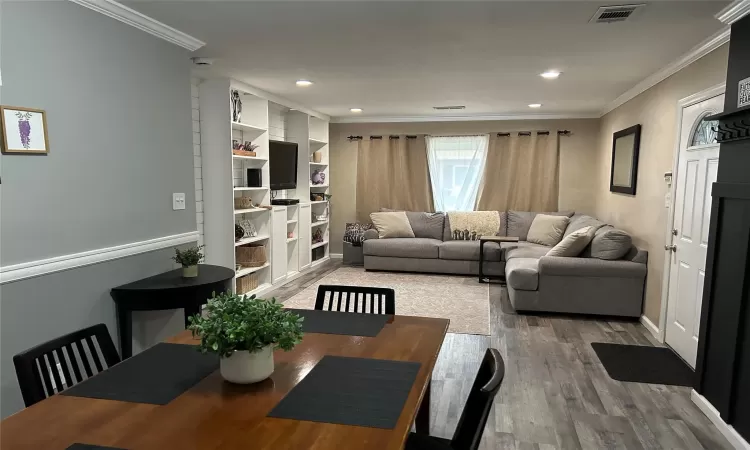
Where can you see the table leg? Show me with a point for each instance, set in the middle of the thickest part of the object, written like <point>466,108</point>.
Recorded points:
<point>422,422</point>
<point>481,260</point>
<point>125,325</point>
<point>191,311</point>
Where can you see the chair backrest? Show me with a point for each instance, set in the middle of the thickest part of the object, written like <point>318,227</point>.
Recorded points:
<point>474,416</point>
<point>39,369</point>
<point>361,299</point>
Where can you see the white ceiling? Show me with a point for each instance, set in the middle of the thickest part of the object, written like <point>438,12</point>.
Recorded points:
<point>403,58</point>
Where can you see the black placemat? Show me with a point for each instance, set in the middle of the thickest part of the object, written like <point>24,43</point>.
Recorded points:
<point>91,447</point>
<point>157,375</point>
<point>351,391</point>
<point>334,322</point>
<point>642,364</point>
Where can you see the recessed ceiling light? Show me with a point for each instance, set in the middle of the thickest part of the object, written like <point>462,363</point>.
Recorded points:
<point>304,83</point>
<point>535,105</point>
<point>356,110</point>
<point>550,74</point>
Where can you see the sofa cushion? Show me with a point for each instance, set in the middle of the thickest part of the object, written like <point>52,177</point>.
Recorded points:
<point>573,244</point>
<point>547,230</point>
<point>609,243</point>
<point>508,246</point>
<point>519,222</point>
<point>426,225</point>
<point>402,248</point>
<point>527,251</point>
<point>579,221</point>
<point>522,273</point>
<point>392,225</point>
<point>469,251</point>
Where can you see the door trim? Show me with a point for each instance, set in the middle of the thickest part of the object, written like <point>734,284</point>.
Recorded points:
<point>681,105</point>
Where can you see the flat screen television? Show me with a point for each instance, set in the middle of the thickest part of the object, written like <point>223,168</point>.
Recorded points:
<point>283,160</point>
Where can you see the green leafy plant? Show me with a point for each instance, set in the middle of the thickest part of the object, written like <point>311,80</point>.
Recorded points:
<point>189,257</point>
<point>235,322</point>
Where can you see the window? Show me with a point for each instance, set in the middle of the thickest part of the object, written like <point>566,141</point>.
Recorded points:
<point>704,133</point>
<point>456,168</point>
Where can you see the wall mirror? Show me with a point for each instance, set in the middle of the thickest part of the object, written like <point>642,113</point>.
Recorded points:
<point>625,147</point>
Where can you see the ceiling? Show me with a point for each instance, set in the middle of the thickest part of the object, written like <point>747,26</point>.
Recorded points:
<point>403,58</point>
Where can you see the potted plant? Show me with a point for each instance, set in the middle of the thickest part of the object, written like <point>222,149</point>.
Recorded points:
<point>189,260</point>
<point>244,331</point>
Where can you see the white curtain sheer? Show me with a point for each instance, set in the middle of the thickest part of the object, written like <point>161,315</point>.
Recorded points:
<point>456,166</point>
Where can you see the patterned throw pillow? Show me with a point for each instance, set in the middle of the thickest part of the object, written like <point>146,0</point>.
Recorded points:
<point>355,233</point>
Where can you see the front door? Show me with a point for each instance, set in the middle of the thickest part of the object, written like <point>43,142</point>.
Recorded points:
<point>697,167</point>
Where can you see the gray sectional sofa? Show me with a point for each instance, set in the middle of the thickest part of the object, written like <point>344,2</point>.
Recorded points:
<point>585,284</point>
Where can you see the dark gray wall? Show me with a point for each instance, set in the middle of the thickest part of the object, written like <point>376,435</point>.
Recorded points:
<point>120,132</point>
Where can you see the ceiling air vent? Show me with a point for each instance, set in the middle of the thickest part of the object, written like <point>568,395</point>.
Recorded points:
<point>447,108</point>
<point>620,13</point>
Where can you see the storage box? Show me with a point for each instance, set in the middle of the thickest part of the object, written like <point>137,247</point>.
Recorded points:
<point>250,255</point>
<point>247,283</point>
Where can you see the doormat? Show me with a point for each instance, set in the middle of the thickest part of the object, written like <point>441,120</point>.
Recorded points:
<point>642,364</point>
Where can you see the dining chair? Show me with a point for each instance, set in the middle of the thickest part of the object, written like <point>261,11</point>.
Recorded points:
<point>470,427</point>
<point>362,299</point>
<point>46,369</point>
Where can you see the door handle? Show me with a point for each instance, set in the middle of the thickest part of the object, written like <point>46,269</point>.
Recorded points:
<point>672,248</point>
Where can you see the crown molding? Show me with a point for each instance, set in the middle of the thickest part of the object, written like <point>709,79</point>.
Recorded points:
<point>249,89</point>
<point>734,12</point>
<point>135,19</point>
<point>696,53</point>
<point>462,118</point>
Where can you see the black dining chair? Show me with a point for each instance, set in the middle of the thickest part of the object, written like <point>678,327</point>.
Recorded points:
<point>470,427</point>
<point>359,299</point>
<point>39,369</point>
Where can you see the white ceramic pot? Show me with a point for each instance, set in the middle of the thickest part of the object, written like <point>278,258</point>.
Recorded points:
<point>245,367</point>
<point>190,271</point>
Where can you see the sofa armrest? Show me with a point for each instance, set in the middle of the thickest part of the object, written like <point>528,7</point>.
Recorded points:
<point>589,267</point>
<point>371,234</point>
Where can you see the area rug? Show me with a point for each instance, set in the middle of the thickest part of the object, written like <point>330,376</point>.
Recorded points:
<point>461,299</point>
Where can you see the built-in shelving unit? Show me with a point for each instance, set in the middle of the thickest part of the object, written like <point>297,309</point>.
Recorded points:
<point>286,232</point>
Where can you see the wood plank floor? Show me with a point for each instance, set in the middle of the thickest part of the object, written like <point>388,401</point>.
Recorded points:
<point>556,394</point>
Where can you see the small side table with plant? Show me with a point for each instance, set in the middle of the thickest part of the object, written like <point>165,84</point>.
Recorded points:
<point>244,331</point>
<point>189,260</point>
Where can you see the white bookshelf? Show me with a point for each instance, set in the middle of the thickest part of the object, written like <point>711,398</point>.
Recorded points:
<point>285,231</point>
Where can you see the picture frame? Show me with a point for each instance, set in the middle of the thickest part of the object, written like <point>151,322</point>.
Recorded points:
<point>623,175</point>
<point>24,131</point>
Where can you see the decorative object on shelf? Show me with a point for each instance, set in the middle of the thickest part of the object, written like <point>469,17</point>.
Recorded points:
<point>244,333</point>
<point>250,255</point>
<point>243,202</point>
<point>246,149</point>
<point>238,232</point>
<point>24,130</point>
<point>290,234</point>
<point>322,217</point>
<point>236,104</point>
<point>328,205</point>
<point>315,197</point>
<point>254,178</point>
<point>317,156</point>
<point>317,236</point>
<point>328,197</point>
<point>318,177</point>
<point>248,229</point>
<point>189,260</point>
<point>624,172</point>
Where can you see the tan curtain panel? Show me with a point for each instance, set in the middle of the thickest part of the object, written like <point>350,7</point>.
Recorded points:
<point>392,173</point>
<point>521,173</point>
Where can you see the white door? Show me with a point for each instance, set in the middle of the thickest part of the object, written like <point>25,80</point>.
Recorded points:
<point>697,167</point>
<point>303,243</point>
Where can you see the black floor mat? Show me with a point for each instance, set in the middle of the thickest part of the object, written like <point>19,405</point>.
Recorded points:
<point>642,364</point>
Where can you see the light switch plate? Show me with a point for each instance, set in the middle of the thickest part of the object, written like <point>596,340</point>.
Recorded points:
<point>178,201</point>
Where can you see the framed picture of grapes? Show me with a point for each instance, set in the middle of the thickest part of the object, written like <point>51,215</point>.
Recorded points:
<point>24,130</point>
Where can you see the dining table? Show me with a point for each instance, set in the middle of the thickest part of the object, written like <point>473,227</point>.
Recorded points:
<point>216,414</point>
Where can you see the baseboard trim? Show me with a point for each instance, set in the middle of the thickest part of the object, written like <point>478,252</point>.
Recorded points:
<point>336,255</point>
<point>652,328</point>
<point>713,415</point>
<point>41,267</point>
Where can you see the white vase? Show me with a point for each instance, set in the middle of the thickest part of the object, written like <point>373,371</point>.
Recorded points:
<point>245,367</point>
<point>190,271</point>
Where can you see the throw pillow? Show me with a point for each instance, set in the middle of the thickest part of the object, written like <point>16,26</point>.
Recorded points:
<point>579,221</point>
<point>610,243</point>
<point>519,222</point>
<point>574,243</point>
<point>355,233</point>
<point>426,225</point>
<point>547,230</point>
<point>392,225</point>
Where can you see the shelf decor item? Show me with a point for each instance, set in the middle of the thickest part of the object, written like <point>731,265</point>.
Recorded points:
<point>24,131</point>
<point>189,260</point>
<point>248,229</point>
<point>236,104</point>
<point>243,203</point>
<point>317,236</point>
<point>244,332</point>
<point>318,177</point>
<point>317,156</point>
<point>250,255</point>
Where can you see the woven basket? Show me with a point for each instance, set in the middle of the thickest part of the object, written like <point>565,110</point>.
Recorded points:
<point>250,255</point>
<point>247,283</point>
<point>243,153</point>
<point>243,202</point>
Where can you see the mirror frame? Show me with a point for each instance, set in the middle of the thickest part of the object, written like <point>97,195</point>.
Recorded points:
<point>636,131</point>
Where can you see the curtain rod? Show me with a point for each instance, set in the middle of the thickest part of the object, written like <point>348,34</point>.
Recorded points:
<point>520,133</point>
<point>392,137</point>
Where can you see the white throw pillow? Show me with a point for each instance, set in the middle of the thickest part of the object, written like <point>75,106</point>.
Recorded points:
<point>392,224</point>
<point>547,230</point>
<point>574,243</point>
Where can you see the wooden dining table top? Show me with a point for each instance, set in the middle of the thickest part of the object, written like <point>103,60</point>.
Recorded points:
<point>215,414</point>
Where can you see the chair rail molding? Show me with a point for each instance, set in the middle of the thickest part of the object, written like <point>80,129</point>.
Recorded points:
<point>42,267</point>
<point>734,11</point>
<point>131,17</point>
